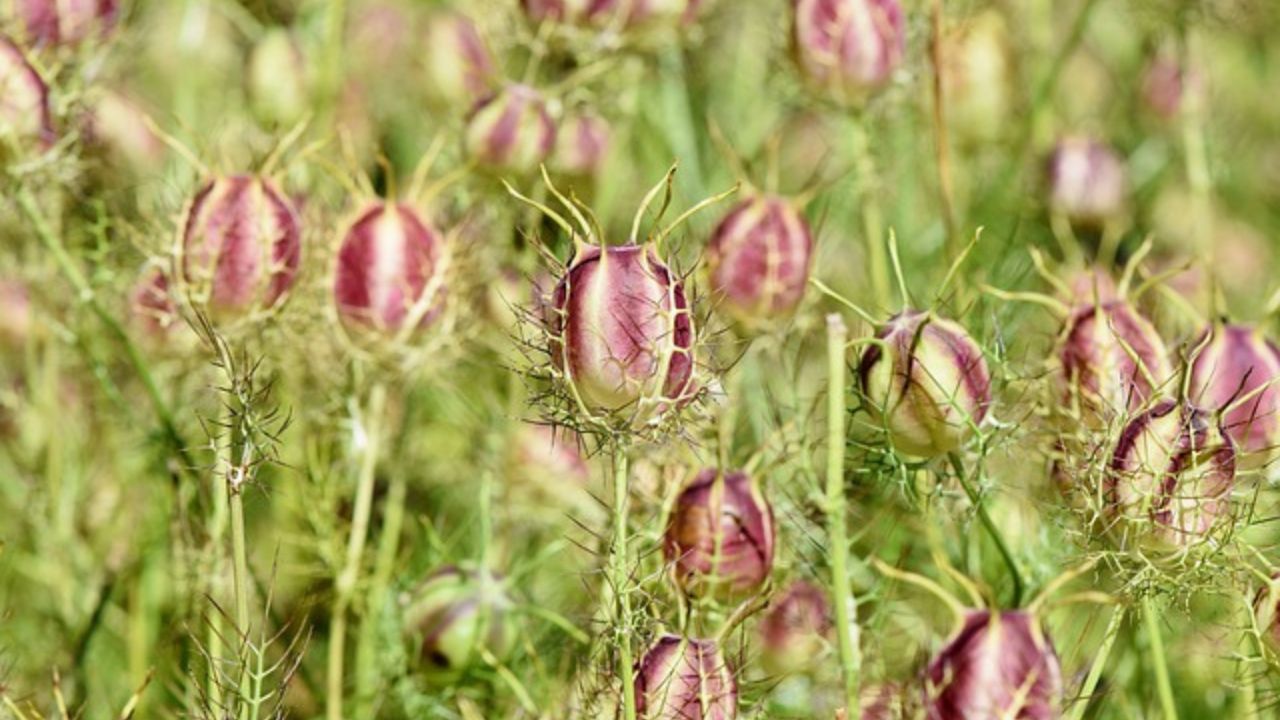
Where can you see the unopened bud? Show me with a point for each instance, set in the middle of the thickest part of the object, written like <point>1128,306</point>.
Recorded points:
<point>511,131</point>
<point>685,679</point>
<point>720,536</point>
<point>1000,664</point>
<point>758,260</point>
<point>848,49</point>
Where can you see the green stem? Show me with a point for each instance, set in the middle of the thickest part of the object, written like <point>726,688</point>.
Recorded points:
<point>984,517</point>
<point>846,604</point>
<point>619,574</point>
<point>1163,685</point>
<point>872,216</point>
<point>240,576</point>
<point>1099,664</point>
<point>335,23</point>
<point>384,565</point>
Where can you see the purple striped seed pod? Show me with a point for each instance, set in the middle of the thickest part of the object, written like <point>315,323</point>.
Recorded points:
<point>24,99</point>
<point>794,631</point>
<point>1001,664</point>
<point>1087,181</point>
<point>926,381</point>
<point>720,535</point>
<point>390,272</point>
<point>65,22</point>
<point>622,330</point>
<point>240,247</point>
<point>151,305</point>
<point>848,49</point>
<point>582,145</point>
<point>1173,467</point>
<point>1236,369</point>
<point>758,260</point>
<point>1111,361</point>
<point>459,66</point>
<point>685,679</point>
<point>277,79</point>
<point>511,131</point>
<point>453,615</point>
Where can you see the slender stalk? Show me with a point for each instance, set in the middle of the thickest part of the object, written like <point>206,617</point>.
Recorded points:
<point>1163,686</point>
<point>872,216</point>
<point>1099,664</point>
<point>355,550</point>
<point>984,517</point>
<point>240,567</point>
<point>217,579</point>
<point>384,565</point>
<point>846,605</point>
<point>618,571</point>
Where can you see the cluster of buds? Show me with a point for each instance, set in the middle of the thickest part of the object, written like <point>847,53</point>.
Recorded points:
<point>758,260</point>
<point>1087,181</point>
<point>720,536</point>
<point>454,616</point>
<point>278,82</point>
<point>24,112</point>
<point>1234,371</point>
<point>685,679</point>
<point>848,49</point>
<point>511,131</point>
<point>65,22</point>
<point>794,632</point>
<point>1112,361</point>
<point>926,382</point>
<point>459,68</point>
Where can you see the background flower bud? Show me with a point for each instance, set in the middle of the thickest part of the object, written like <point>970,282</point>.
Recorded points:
<point>65,22</point>
<point>24,112</point>
<point>1173,467</point>
<point>15,315</point>
<point>277,82</point>
<point>927,382</point>
<point>459,67</point>
<point>794,630</point>
<point>1112,361</point>
<point>151,305</point>
<point>1235,369</point>
<point>758,259</point>
<point>1087,181</point>
<point>565,11</point>
<point>116,124</point>
<point>582,145</point>
<point>848,49</point>
<point>621,329</point>
<point>455,613</point>
<point>1168,86</point>
<point>999,665</point>
<point>685,679</point>
<point>511,131</point>
<point>240,247</point>
<point>976,77</point>
<point>720,534</point>
<point>391,270</point>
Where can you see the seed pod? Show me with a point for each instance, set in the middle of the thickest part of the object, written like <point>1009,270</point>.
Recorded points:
<point>927,382</point>
<point>1168,86</point>
<point>460,69</point>
<point>1173,467</point>
<point>976,77</point>
<point>151,305</point>
<point>685,679</point>
<point>720,534</point>
<point>277,83</point>
<point>999,665</point>
<point>622,331</point>
<point>24,110</point>
<point>1090,287</point>
<point>1235,369</point>
<point>1112,361</point>
<point>758,260</point>
<point>795,629</point>
<point>511,131</point>
<point>582,144</point>
<point>848,49</point>
<point>240,247</point>
<point>116,125</point>
<point>1087,182</point>
<point>454,614</point>
<point>391,271</point>
<point>65,22</point>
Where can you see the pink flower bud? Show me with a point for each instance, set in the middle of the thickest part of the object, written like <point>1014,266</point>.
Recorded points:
<point>1236,369</point>
<point>151,305</point>
<point>460,69</point>
<point>926,382</point>
<point>278,86</point>
<point>65,22</point>
<point>240,247</point>
<point>511,131</point>
<point>582,144</point>
<point>24,100</point>
<point>720,534</point>
<point>999,665</point>
<point>758,259</point>
<point>1173,467</point>
<point>117,125</point>
<point>1087,181</point>
<point>1167,86</point>
<point>1090,287</point>
<point>1112,360</point>
<point>848,49</point>
<point>15,315</point>
<point>391,270</point>
<point>685,679</point>
<point>621,330</point>
<point>453,615</point>
<point>795,629</point>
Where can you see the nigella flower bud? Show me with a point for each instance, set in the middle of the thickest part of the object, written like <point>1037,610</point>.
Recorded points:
<point>720,534</point>
<point>151,305</point>
<point>15,315</point>
<point>511,131</point>
<point>278,85</point>
<point>460,69</point>
<point>65,22</point>
<point>240,247</point>
<point>848,49</point>
<point>999,665</point>
<point>685,679</point>
<point>1235,369</point>
<point>582,144</point>
<point>1168,86</point>
<point>926,382</point>
<point>758,259</point>
<point>1087,181</point>
<point>24,111</point>
<point>454,614</point>
<point>391,271</point>
<point>117,126</point>
<point>1112,360</point>
<point>795,628</point>
<point>1090,287</point>
<point>622,331</point>
<point>1173,467</point>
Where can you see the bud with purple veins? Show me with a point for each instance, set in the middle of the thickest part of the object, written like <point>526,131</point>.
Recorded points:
<point>459,67</point>
<point>1088,184</point>
<point>1235,370</point>
<point>65,22</point>
<point>456,615</point>
<point>795,628</point>
<point>582,145</point>
<point>1112,360</point>
<point>240,247</point>
<point>720,536</point>
<point>511,131</point>
<point>758,260</point>
<point>685,679</point>
<point>24,100</point>
<point>1000,664</point>
<point>926,381</point>
<point>848,49</point>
